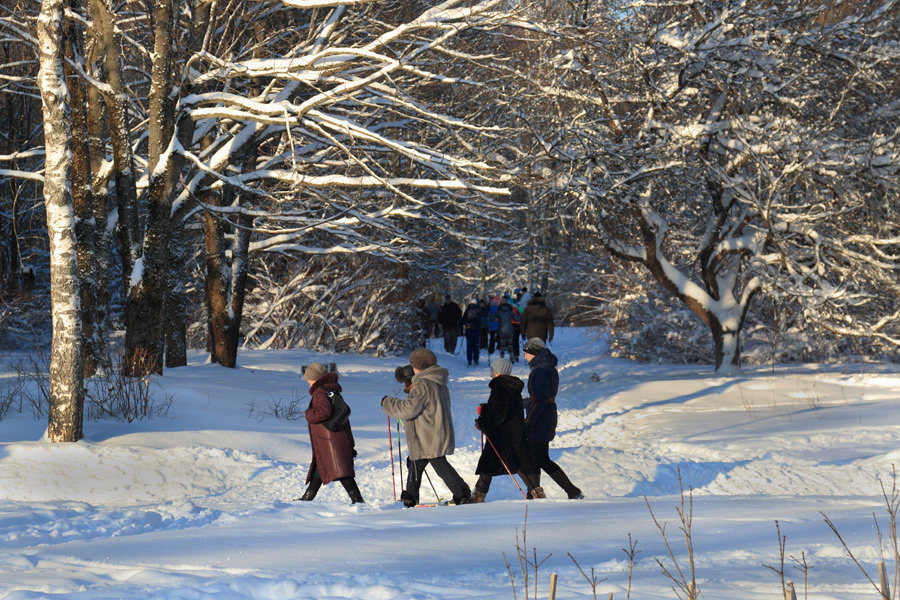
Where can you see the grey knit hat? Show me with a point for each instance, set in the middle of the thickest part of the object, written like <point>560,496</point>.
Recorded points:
<point>501,366</point>
<point>314,372</point>
<point>534,345</point>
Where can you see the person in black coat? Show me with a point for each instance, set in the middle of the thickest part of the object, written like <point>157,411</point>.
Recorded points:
<point>502,422</point>
<point>541,415</point>
<point>449,317</point>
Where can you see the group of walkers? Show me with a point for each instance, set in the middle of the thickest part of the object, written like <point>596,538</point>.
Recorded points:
<point>518,430</point>
<point>494,324</point>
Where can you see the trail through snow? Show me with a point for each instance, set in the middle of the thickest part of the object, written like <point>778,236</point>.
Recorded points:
<point>197,504</point>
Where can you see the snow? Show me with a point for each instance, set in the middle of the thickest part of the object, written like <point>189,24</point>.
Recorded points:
<point>197,504</point>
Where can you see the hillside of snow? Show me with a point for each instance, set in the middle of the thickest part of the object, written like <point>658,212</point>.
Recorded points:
<point>197,504</point>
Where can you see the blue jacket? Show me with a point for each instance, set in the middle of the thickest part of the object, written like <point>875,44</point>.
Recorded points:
<point>493,324</point>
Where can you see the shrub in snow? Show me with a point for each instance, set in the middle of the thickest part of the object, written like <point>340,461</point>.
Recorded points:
<point>334,303</point>
<point>113,394</point>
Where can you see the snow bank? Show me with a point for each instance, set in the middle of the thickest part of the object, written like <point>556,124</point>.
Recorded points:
<point>197,504</point>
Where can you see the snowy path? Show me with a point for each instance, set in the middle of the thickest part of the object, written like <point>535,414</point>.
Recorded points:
<point>197,504</point>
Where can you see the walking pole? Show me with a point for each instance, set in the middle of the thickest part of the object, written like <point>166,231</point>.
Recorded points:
<point>399,455</point>
<point>391,446</point>
<point>505,467</point>
<point>427,476</point>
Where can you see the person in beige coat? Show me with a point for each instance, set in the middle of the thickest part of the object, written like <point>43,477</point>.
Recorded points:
<point>429,427</point>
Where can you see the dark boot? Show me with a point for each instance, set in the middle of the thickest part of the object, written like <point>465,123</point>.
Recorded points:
<point>349,484</point>
<point>562,481</point>
<point>465,498</point>
<point>536,493</point>
<point>311,490</point>
<point>407,499</point>
<point>478,497</point>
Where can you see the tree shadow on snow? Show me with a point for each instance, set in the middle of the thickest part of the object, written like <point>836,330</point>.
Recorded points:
<point>696,475</point>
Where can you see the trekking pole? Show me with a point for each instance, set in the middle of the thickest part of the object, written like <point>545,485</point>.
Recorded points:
<point>391,446</point>
<point>428,477</point>
<point>400,455</point>
<point>505,467</point>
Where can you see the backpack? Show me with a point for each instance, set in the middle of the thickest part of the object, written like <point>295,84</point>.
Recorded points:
<point>340,412</point>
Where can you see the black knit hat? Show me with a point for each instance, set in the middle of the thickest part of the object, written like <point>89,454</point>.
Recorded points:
<point>534,345</point>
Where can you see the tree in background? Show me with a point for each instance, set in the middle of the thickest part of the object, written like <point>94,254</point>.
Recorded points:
<point>318,135</point>
<point>704,140</point>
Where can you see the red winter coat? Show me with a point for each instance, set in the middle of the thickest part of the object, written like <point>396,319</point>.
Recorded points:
<point>332,450</point>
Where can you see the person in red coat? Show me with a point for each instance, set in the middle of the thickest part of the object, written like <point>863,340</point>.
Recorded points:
<point>332,450</point>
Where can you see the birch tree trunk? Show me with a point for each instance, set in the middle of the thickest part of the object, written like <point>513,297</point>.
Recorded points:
<point>66,371</point>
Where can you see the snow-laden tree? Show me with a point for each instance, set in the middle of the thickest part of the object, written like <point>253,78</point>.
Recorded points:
<point>713,143</point>
<point>66,376</point>
<point>288,127</point>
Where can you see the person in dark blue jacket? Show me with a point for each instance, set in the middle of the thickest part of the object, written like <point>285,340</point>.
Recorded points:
<point>471,322</point>
<point>541,415</point>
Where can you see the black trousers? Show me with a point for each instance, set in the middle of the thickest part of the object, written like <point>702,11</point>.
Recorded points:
<point>450,336</point>
<point>492,341</point>
<point>349,484</point>
<point>540,453</point>
<point>444,470</point>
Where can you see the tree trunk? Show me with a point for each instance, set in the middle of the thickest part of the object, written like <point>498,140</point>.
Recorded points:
<point>144,328</point>
<point>723,313</point>
<point>102,237</point>
<point>82,198</point>
<point>144,335</point>
<point>240,271</point>
<point>66,370</point>
<point>106,49</point>
<point>222,337</point>
<point>177,302</point>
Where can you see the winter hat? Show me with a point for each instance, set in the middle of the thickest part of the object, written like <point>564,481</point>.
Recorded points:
<point>534,345</point>
<point>314,372</point>
<point>501,366</point>
<point>422,358</point>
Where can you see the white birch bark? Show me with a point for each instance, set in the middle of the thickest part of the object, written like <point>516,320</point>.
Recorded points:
<point>66,376</point>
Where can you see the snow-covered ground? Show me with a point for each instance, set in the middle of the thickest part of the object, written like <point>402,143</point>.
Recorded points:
<point>197,504</point>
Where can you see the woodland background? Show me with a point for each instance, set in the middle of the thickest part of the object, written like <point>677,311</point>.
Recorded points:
<point>711,181</point>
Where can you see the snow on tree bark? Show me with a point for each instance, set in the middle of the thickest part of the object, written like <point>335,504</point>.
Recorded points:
<point>66,369</point>
<point>83,201</point>
<point>108,56</point>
